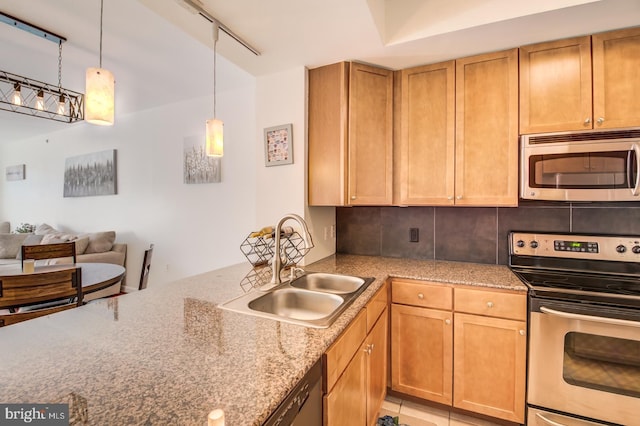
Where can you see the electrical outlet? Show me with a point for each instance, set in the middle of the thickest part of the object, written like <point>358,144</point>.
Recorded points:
<point>326,233</point>
<point>332,231</point>
<point>414,235</point>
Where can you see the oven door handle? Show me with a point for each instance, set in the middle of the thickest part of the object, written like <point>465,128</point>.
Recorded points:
<point>569,315</point>
<point>546,420</point>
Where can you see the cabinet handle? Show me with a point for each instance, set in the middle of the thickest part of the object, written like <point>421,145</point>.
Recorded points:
<point>489,304</point>
<point>600,121</point>
<point>420,296</point>
<point>587,121</point>
<point>522,332</point>
<point>368,349</point>
<point>447,321</point>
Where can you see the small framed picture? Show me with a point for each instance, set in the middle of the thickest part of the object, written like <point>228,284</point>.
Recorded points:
<point>15,172</point>
<point>278,145</point>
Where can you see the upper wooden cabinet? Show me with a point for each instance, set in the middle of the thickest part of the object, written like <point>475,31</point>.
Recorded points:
<point>589,82</point>
<point>427,135</point>
<point>486,167</point>
<point>458,140</point>
<point>616,78</point>
<point>350,135</point>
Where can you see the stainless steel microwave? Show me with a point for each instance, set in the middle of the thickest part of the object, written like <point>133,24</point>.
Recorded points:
<point>581,166</point>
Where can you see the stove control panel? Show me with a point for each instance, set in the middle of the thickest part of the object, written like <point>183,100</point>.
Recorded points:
<point>576,246</point>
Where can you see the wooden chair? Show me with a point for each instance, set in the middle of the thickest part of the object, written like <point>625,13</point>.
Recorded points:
<point>146,267</point>
<point>49,251</point>
<point>39,294</point>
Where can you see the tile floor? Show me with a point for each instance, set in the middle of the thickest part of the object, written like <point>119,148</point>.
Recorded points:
<point>412,414</point>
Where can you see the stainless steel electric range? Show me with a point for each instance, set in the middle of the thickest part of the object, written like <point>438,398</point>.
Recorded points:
<point>584,327</point>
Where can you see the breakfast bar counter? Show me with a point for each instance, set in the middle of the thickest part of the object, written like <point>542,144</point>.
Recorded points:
<point>169,355</point>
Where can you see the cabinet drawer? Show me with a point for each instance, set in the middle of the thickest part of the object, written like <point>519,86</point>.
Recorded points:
<point>421,293</point>
<point>491,303</point>
<point>339,354</point>
<point>376,306</point>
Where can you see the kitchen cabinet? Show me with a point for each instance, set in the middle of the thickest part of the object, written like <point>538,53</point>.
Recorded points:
<point>460,346</point>
<point>426,144</point>
<point>458,140</point>
<point>486,150</point>
<point>588,82</point>
<point>350,135</point>
<point>490,348</point>
<point>355,378</point>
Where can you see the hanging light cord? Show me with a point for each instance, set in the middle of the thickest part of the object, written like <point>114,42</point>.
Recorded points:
<point>215,42</point>
<point>101,8</point>
<point>60,66</point>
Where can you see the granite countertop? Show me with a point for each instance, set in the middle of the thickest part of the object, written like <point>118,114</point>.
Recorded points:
<point>169,355</point>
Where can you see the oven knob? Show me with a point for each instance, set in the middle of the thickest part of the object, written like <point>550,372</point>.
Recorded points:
<point>636,249</point>
<point>520,243</point>
<point>621,249</point>
<point>533,244</point>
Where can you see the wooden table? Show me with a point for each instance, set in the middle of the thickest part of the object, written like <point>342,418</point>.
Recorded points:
<point>95,276</point>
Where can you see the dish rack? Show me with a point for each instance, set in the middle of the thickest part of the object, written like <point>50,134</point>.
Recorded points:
<point>259,252</point>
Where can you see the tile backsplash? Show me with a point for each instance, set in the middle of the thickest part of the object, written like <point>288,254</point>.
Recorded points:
<point>471,234</point>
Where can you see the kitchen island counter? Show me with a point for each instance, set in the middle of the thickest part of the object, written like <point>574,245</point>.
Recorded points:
<point>169,355</point>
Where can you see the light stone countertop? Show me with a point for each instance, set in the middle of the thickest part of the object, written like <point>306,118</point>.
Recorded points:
<point>169,355</point>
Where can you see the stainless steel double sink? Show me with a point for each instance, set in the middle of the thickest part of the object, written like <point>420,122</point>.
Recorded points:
<point>312,300</point>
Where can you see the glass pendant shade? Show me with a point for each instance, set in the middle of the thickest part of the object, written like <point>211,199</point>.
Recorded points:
<point>40,101</point>
<point>99,97</point>
<point>214,144</point>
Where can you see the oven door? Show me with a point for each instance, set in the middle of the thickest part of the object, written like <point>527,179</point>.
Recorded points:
<point>584,360</point>
<point>605,171</point>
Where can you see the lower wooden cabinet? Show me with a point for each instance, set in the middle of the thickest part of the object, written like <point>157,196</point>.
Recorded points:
<point>422,352</point>
<point>355,381</point>
<point>460,346</point>
<point>490,366</point>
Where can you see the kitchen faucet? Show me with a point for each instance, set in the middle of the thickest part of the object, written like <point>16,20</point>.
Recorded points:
<point>276,265</point>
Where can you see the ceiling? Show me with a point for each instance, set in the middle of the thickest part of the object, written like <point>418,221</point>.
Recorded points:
<point>160,50</point>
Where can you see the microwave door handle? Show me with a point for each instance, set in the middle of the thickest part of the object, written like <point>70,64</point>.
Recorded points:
<point>636,150</point>
<point>580,317</point>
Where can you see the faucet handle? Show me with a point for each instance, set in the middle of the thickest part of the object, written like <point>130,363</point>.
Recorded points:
<point>292,272</point>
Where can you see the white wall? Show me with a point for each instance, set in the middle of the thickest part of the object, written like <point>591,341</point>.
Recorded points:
<point>195,228</point>
<point>282,99</point>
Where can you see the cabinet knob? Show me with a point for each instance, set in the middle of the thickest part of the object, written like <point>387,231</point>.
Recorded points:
<point>600,121</point>
<point>447,321</point>
<point>353,197</point>
<point>420,296</point>
<point>459,197</point>
<point>368,349</point>
<point>489,304</point>
<point>587,121</point>
<point>449,198</point>
<point>522,332</point>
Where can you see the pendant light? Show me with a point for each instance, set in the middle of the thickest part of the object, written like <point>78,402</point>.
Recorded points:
<point>100,91</point>
<point>214,141</point>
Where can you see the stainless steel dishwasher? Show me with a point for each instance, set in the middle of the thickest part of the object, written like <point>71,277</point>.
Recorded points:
<point>303,405</point>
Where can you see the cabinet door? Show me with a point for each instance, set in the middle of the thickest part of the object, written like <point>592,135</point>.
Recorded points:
<point>327,134</point>
<point>616,79</point>
<point>555,86</point>
<point>377,349</point>
<point>370,136</point>
<point>427,135</point>
<point>490,366</point>
<point>346,404</point>
<point>421,352</point>
<point>487,130</point>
